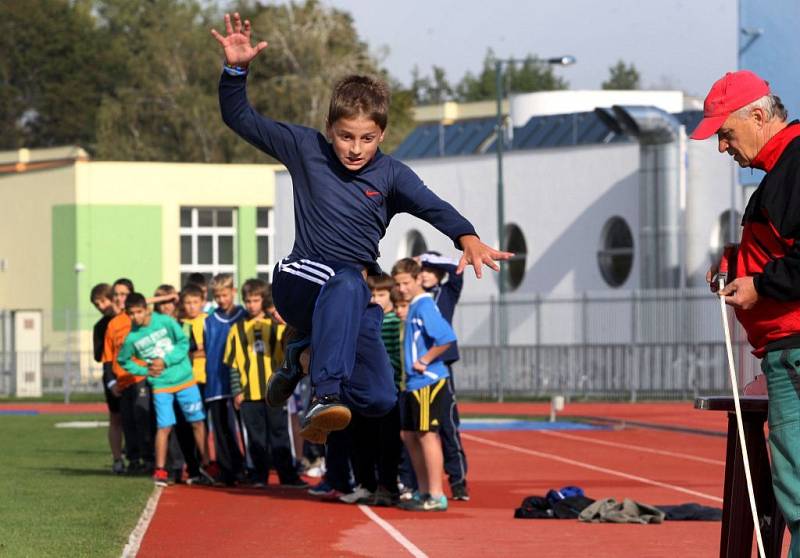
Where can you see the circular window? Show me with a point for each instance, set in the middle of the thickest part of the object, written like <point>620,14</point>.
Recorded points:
<point>615,256</point>
<point>415,244</point>
<point>515,270</point>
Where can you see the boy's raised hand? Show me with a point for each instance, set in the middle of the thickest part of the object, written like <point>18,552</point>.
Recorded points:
<point>476,253</point>
<point>236,43</point>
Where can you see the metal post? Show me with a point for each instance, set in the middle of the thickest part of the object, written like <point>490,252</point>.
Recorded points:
<point>67,355</point>
<point>493,340</point>
<point>501,219</point>
<point>634,343</point>
<point>538,309</point>
<point>585,340</point>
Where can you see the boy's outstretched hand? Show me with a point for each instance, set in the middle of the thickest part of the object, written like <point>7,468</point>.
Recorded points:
<point>236,43</point>
<point>476,253</point>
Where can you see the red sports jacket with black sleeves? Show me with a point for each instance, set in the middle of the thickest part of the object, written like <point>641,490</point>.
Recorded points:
<point>770,246</point>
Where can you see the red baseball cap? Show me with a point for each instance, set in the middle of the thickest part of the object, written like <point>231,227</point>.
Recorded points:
<point>728,94</point>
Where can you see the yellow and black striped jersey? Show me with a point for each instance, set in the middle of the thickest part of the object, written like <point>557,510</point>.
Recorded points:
<point>193,328</point>
<point>253,350</point>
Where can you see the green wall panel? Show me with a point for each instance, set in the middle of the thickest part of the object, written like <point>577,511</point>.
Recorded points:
<point>109,241</point>
<point>246,239</point>
<point>64,279</point>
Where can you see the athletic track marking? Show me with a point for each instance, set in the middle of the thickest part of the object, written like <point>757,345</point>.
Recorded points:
<point>394,533</point>
<point>137,535</point>
<point>634,448</point>
<point>590,467</point>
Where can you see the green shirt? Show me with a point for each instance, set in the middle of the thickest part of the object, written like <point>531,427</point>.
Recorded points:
<point>390,331</point>
<point>162,338</point>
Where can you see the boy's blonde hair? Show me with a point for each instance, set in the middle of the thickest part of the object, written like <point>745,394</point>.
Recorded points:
<point>221,281</point>
<point>407,265</point>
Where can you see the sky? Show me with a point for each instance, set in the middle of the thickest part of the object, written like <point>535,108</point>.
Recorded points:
<point>680,44</point>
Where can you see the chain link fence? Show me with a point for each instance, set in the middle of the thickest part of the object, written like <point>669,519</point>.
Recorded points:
<point>661,344</point>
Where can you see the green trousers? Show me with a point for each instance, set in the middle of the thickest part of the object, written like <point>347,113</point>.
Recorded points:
<point>782,370</point>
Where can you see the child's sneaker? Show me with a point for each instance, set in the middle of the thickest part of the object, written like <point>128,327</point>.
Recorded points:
<point>118,468</point>
<point>383,498</point>
<point>296,482</point>
<point>460,492</point>
<point>161,477</point>
<point>325,415</point>
<point>432,503</point>
<point>316,468</point>
<point>284,380</point>
<point>411,500</point>
<point>358,494</point>
<point>325,491</point>
<point>406,494</point>
<point>137,468</point>
<point>206,475</point>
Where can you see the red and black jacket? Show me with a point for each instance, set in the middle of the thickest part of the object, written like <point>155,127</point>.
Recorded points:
<point>770,246</point>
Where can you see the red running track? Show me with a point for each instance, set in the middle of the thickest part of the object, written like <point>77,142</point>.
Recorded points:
<point>655,467</point>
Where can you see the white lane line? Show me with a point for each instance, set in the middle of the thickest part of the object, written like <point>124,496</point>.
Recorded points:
<point>394,533</point>
<point>643,449</point>
<point>604,470</point>
<point>137,535</point>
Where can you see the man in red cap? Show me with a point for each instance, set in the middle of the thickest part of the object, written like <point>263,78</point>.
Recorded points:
<point>751,126</point>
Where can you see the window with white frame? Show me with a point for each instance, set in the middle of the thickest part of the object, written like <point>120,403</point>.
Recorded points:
<point>265,243</point>
<point>208,241</point>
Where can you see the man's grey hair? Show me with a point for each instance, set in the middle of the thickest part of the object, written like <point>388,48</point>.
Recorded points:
<point>770,104</point>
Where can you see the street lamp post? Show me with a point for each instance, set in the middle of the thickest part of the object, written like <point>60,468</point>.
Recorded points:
<point>501,218</point>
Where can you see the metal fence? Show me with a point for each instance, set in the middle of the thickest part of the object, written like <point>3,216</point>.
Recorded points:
<point>662,344</point>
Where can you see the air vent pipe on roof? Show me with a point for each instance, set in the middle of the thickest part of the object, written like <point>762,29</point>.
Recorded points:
<point>662,209</point>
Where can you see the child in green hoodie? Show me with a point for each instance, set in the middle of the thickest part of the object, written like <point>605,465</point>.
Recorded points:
<point>157,348</point>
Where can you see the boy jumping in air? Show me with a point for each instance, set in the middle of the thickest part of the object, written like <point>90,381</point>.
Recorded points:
<point>345,193</point>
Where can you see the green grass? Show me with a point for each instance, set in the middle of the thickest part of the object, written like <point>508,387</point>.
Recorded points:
<point>57,494</point>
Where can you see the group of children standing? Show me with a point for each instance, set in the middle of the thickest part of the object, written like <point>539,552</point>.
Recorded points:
<point>185,364</point>
<point>212,366</point>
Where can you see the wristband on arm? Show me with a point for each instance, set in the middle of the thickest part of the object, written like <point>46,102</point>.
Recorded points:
<point>234,70</point>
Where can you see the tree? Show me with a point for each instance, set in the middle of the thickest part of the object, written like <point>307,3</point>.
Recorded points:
<point>137,80</point>
<point>431,91</point>
<point>53,73</point>
<point>622,76</point>
<point>165,104</point>
<point>168,109</point>
<point>531,75</point>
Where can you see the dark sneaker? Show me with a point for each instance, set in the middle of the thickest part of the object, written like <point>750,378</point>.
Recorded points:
<point>325,415</point>
<point>284,380</point>
<point>206,475</point>
<point>138,468</point>
<point>383,498</point>
<point>161,477</point>
<point>413,503</point>
<point>296,482</point>
<point>459,492</point>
